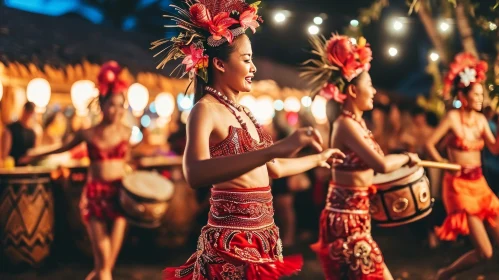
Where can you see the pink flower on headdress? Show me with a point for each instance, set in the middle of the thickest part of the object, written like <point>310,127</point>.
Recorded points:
<point>108,80</point>
<point>249,19</point>
<point>219,27</point>
<point>331,91</point>
<point>194,58</point>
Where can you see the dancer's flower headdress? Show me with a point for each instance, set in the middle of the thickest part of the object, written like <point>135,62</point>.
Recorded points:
<point>211,22</point>
<point>340,60</point>
<point>109,81</point>
<point>464,71</point>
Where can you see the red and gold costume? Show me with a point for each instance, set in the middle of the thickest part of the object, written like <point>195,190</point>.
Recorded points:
<point>241,240</point>
<point>346,248</point>
<point>101,197</point>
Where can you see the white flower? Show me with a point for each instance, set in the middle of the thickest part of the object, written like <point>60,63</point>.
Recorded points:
<point>468,76</point>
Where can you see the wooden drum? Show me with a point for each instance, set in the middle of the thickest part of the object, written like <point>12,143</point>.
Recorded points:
<point>26,214</point>
<point>180,219</point>
<point>402,197</point>
<point>144,198</point>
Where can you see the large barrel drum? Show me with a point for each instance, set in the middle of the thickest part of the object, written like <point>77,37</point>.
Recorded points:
<point>26,215</point>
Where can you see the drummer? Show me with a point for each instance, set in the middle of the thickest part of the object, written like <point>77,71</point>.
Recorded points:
<point>345,248</point>
<point>108,150</point>
<point>471,206</point>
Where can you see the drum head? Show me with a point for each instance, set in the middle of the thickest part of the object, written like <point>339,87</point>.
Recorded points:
<point>149,185</point>
<point>404,171</point>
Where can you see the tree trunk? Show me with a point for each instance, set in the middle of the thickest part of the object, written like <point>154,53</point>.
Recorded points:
<point>465,30</point>
<point>431,30</point>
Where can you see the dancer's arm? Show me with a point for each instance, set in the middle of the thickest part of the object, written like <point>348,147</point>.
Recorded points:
<point>355,140</point>
<point>284,167</point>
<point>436,136</point>
<point>491,141</point>
<point>77,139</point>
<point>201,170</point>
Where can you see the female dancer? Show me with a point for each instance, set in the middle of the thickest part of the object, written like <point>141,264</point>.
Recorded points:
<point>345,248</point>
<point>470,204</point>
<point>228,149</point>
<point>108,150</point>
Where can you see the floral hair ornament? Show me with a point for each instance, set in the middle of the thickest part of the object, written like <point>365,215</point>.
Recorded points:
<point>201,23</point>
<point>339,61</point>
<point>108,80</point>
<point>464,71</point>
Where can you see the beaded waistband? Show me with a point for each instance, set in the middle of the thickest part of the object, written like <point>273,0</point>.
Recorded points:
<point>246,209</point>
<point>350,200</point>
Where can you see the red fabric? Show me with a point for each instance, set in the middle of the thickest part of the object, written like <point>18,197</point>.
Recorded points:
<point>463,194</point>
<point>346,248</point>
<point>458,143</point>
<point>240,241</point>
<point>95,153</point>
<point>101,200</point>
<point>240,141</point>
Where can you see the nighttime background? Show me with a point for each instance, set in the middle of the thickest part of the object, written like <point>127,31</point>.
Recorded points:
<point>62,37</point>
<point>285,43</point>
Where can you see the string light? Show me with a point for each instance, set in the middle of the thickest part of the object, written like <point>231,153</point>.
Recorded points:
<point>492,26</point>
<point>354,23</point>
<point>398,25</point>
<point>313,29</point>
<point>278,105</point>
<point>444,26</point>
<point>318,20</point>
<point>280,17</point>
<point>434,56</point>
<point>392,51</point>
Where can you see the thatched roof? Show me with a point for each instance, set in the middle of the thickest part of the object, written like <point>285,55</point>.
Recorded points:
<point>67,40</point>
<point>41,41</point>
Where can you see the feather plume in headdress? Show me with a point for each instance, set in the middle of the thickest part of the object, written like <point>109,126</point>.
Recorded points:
<point>338,61</point>
<point>211,22</point>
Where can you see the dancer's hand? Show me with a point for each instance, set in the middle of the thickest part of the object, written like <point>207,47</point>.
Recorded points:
<point>307,136</point>
<point>413,159</point>
<point>330,157</point>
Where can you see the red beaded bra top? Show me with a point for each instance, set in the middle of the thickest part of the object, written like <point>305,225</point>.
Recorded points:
<point>458,143</point>
<point>239,139</point>
<point>96,153</point>
<point>352,161</point>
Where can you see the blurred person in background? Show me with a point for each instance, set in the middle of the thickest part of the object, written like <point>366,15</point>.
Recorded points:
<point>54,129</point>
<point>472,208</point>
<point>108,150</point>
<point>19,136</point>
<point>491,161</point>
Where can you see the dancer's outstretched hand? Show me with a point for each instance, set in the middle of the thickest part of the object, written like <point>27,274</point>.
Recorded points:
<point>330,157</point>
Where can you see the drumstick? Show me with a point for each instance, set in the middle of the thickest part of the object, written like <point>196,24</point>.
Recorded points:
<point>441,165</point>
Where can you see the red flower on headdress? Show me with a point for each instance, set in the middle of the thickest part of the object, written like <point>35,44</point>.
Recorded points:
<point>468,69</point>
<point>331,91</point>
<point>108,79</point>
<point>249,19</point>
<point>218,26</point>
<point>194,58</point>
<point>351,59</point>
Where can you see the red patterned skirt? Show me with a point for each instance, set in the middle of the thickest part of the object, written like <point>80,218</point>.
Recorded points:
<point>240,241</point>
<point>101,200</point>
<point>346,248</point>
